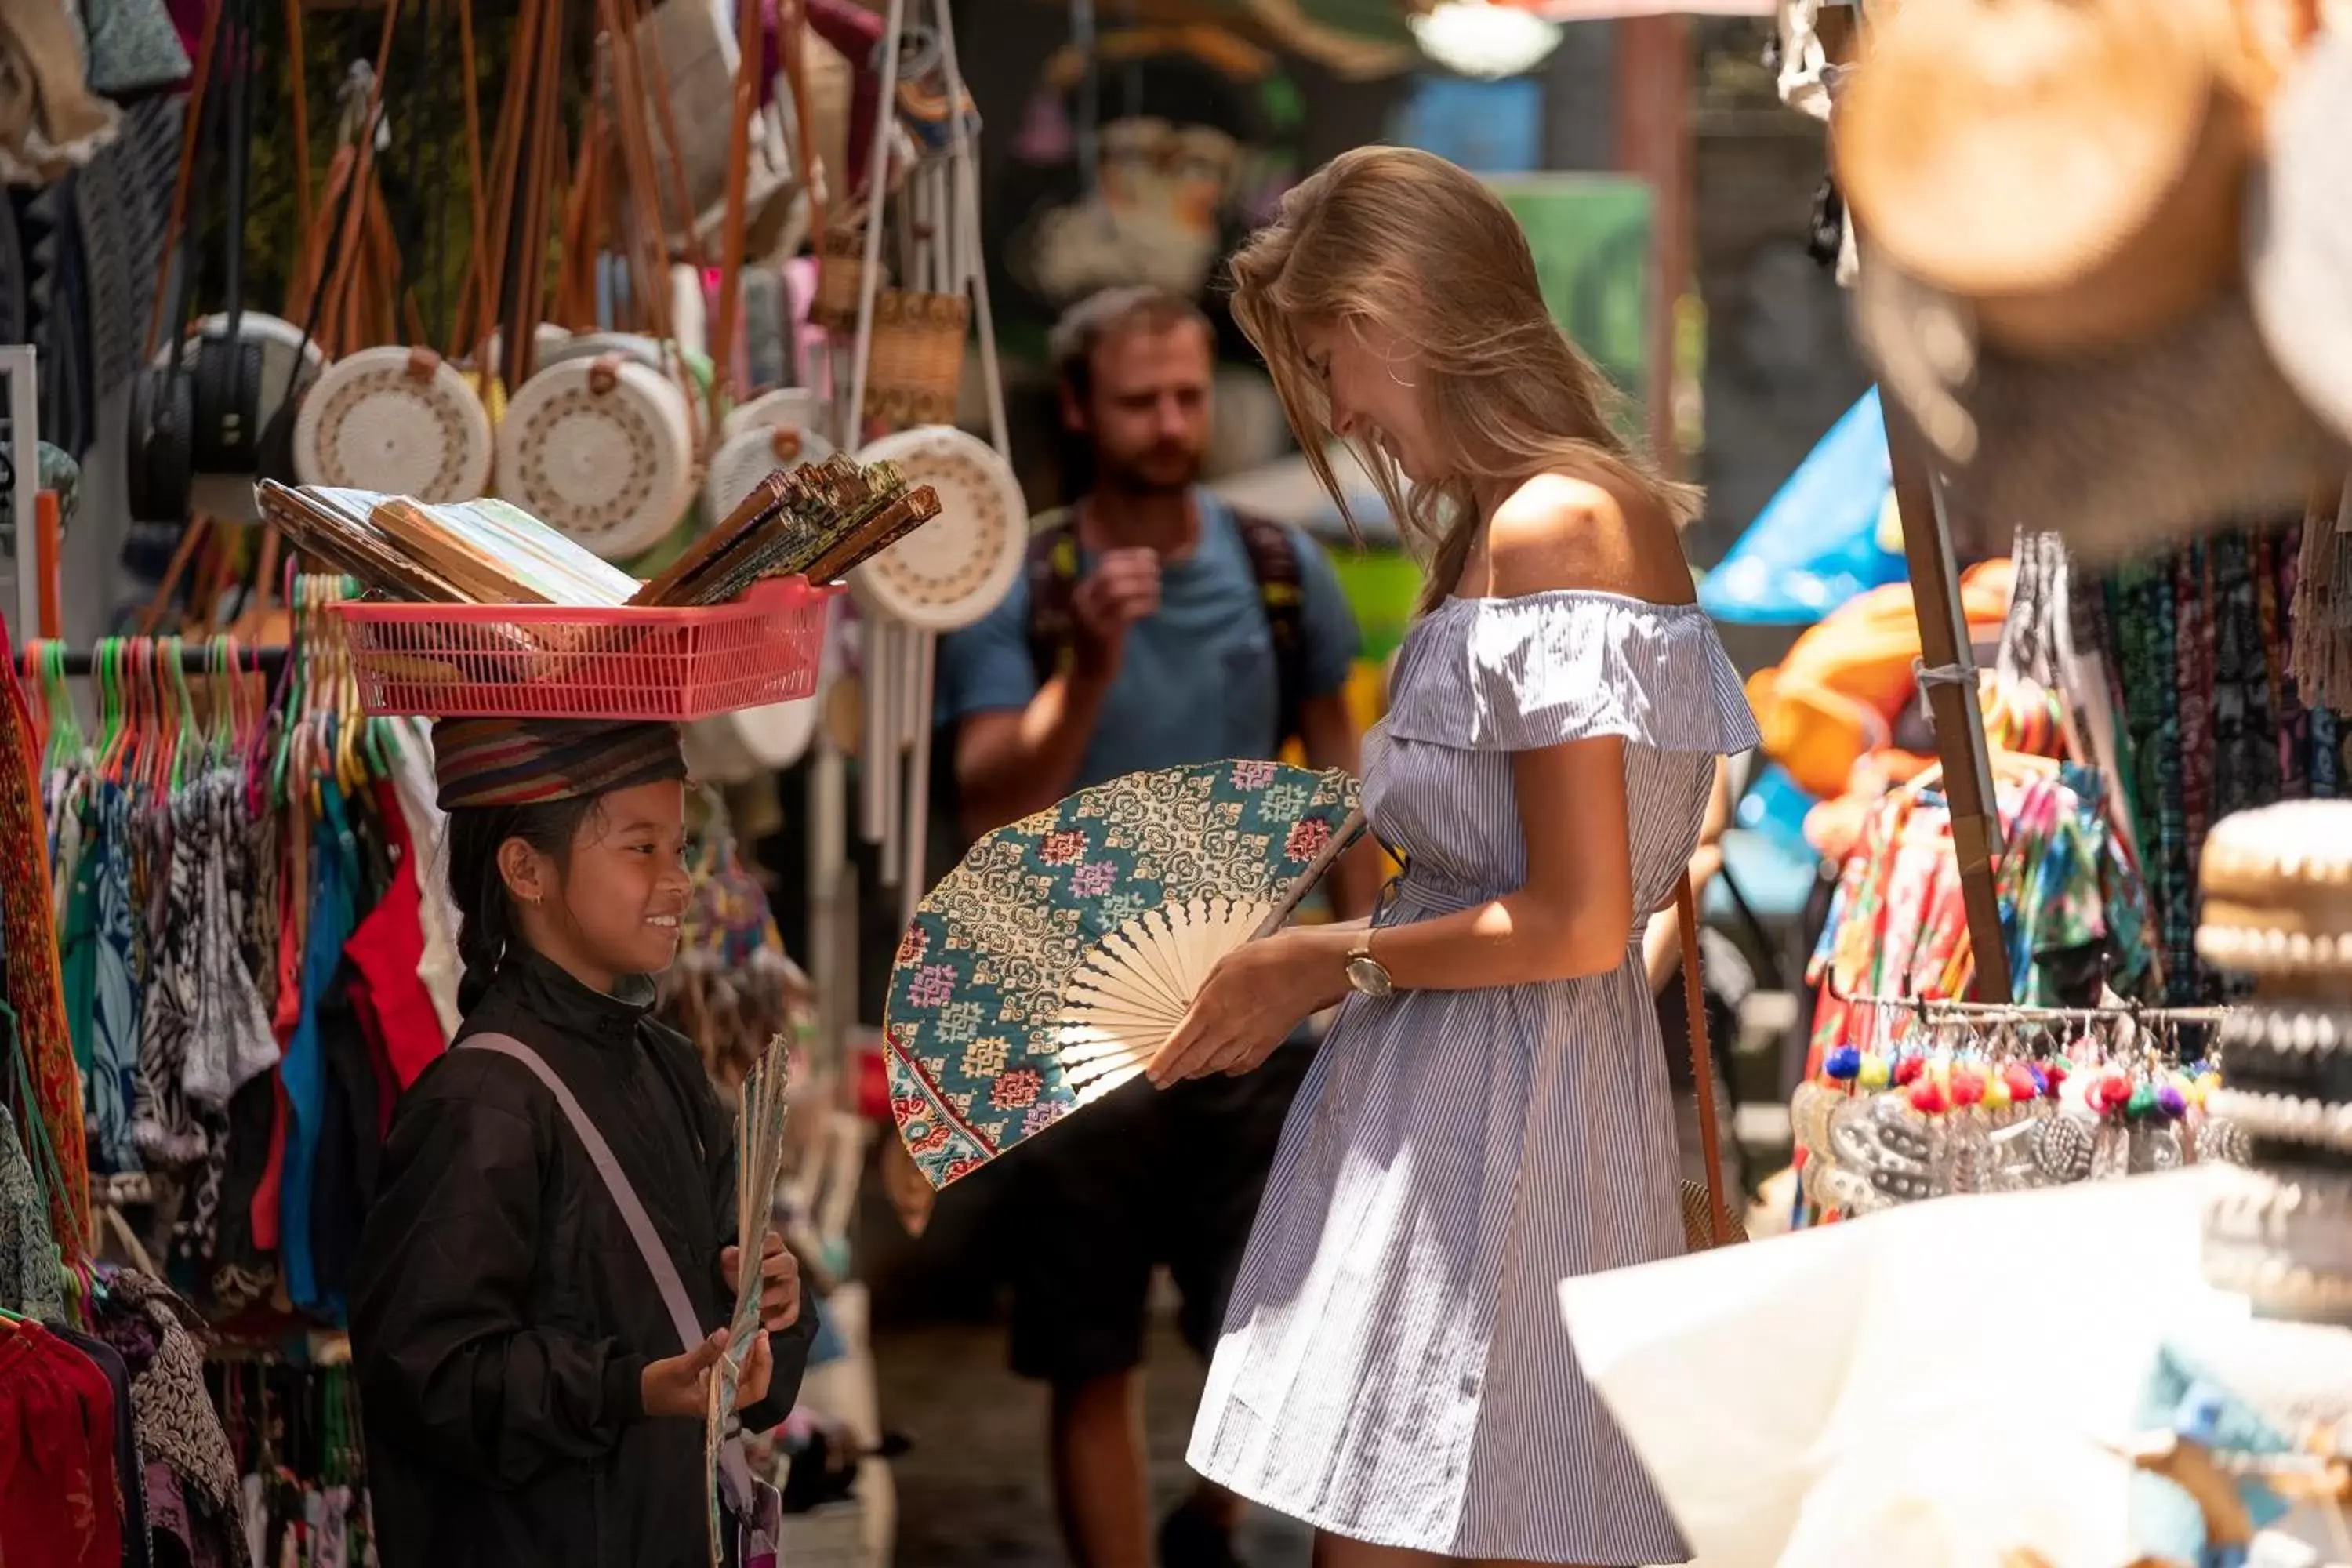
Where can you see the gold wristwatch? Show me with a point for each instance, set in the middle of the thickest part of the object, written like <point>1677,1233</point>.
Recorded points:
<point>1367,976</point>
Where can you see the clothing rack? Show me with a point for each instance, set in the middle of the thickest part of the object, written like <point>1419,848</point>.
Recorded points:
<point>197,658</point>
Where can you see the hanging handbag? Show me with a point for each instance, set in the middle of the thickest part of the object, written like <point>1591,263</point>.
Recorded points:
<point>758,1507</point>
<point>1708,1218</point>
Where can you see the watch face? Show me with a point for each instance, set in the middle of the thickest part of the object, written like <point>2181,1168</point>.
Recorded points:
<point>1368,976</point>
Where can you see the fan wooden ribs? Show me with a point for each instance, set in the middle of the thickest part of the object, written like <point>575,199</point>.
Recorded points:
<point>1129,995</point>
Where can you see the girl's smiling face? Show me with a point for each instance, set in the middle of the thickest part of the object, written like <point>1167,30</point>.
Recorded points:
<point>612,908</point>
<point>1370,380</point>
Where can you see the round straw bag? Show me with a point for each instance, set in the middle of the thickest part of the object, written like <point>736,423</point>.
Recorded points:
<point>916,369</point>
<point>749,454</point>
<point>955,568</point>
<point>799,408</point>
<point>398,421</point>
<point>602,449</point>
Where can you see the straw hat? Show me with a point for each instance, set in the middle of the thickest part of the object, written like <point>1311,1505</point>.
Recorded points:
<point>2298,235</point>
<point>2072,167</point>
<point>2118,452</point>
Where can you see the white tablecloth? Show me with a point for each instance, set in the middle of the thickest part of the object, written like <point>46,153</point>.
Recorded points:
<point>1926,1387</point>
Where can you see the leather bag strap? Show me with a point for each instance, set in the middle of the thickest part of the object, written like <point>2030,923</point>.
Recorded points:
<point>1702,1064</point>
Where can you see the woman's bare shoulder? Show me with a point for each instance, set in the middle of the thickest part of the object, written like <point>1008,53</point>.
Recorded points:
<point>1563,531</point>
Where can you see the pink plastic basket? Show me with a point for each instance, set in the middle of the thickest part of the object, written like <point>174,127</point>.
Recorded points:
<point>545,661</point>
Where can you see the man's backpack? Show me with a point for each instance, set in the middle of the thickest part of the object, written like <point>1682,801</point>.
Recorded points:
<point>1052,574</point>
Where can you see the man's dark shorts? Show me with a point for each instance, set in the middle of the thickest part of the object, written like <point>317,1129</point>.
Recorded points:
<point>1147,1177</point>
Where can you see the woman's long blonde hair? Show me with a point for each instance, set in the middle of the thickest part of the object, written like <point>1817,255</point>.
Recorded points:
<point>1406,240</point>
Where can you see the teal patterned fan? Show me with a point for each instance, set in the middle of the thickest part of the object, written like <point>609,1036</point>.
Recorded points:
<point>1045,969</point>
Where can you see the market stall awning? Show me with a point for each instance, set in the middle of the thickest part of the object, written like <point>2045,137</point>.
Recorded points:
<point>1825,536</point>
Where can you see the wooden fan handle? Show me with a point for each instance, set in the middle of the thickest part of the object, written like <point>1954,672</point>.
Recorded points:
<point>1333,847</point>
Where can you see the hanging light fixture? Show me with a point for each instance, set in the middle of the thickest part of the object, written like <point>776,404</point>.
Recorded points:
<point>1476,38</point>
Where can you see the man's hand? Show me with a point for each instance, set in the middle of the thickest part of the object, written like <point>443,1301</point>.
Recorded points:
<point>780,1282</point>
<point>1123,589</point>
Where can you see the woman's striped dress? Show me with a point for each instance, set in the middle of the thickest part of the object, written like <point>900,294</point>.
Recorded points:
<point>1393,1367</point>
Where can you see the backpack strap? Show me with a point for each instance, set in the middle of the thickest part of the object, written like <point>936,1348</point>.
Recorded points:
<point>1281,589</point>
<point>1052,569</point>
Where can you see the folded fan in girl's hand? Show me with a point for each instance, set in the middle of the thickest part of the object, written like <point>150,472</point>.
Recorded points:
<point>759,1163</point>
<point>1047,968</point>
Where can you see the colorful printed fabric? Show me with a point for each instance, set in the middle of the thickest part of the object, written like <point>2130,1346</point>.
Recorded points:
<point>527,761</point>
<point>29,929</point>
<point>2210,720</point>
<point>163,1125</point>
<point>31,1273</point>
<point>1898,928</point>
<point>979,974</point>
<point>114,996</point>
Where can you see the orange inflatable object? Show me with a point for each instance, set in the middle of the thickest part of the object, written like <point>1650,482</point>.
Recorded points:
<point>1837,695</point>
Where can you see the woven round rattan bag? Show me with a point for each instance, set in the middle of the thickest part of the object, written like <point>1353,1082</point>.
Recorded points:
<point>957,567</point>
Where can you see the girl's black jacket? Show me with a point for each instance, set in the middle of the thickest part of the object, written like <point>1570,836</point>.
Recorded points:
<point>500,1313</point>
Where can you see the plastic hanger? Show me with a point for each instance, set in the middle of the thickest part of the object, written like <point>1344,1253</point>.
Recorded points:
<point>106,668</point>
<point>292,689</point>
<point>185,725</point>
<point>37,691</point>
<point>65,724</point>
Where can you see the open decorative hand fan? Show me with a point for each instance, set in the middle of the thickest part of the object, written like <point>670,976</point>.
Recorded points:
<point>1044,972</point>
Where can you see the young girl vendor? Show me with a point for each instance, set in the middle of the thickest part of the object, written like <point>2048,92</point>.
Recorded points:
<point>527,1395</point>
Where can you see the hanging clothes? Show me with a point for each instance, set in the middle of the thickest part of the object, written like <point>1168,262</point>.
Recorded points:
<point>2198,650</point>
<point>179,1428</point>
<point>60,1497</point>
<point>31,1268</point>
<point>2074,907</point>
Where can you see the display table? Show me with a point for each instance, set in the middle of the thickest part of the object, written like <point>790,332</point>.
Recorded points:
<point>1937,1385</point>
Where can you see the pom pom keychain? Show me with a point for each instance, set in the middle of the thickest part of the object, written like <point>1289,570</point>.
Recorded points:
<point>2022,1083</point>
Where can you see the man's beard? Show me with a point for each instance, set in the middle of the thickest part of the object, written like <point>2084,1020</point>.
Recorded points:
<point>1157,472</point>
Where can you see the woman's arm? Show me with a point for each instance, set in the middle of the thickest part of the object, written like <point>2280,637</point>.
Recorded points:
<point>446,1356</point>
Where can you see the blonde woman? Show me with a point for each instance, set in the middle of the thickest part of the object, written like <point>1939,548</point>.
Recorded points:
<point>1489,1113</point>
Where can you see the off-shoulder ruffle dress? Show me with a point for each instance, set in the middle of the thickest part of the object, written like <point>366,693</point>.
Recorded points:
<point>1393,1366</point>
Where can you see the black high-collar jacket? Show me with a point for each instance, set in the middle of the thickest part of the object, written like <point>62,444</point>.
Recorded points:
<point>501,1314</point>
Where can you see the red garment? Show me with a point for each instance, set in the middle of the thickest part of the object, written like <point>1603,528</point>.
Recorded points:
<point>388,949</point>
<point>60,1500</point>
<point>293,923</point>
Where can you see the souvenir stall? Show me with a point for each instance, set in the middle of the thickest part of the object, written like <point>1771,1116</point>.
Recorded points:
<point>724,285</point>
<point>228,956</point>
<point>2166,685</point>
<point>2164,873</point>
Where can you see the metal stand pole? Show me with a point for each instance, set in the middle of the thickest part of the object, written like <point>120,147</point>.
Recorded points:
<point>1949,677</point>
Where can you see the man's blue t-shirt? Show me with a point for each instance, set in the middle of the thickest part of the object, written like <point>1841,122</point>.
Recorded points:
<point>1197,681</point>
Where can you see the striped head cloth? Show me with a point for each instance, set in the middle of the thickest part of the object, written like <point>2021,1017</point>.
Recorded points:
<point>529,762</point>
